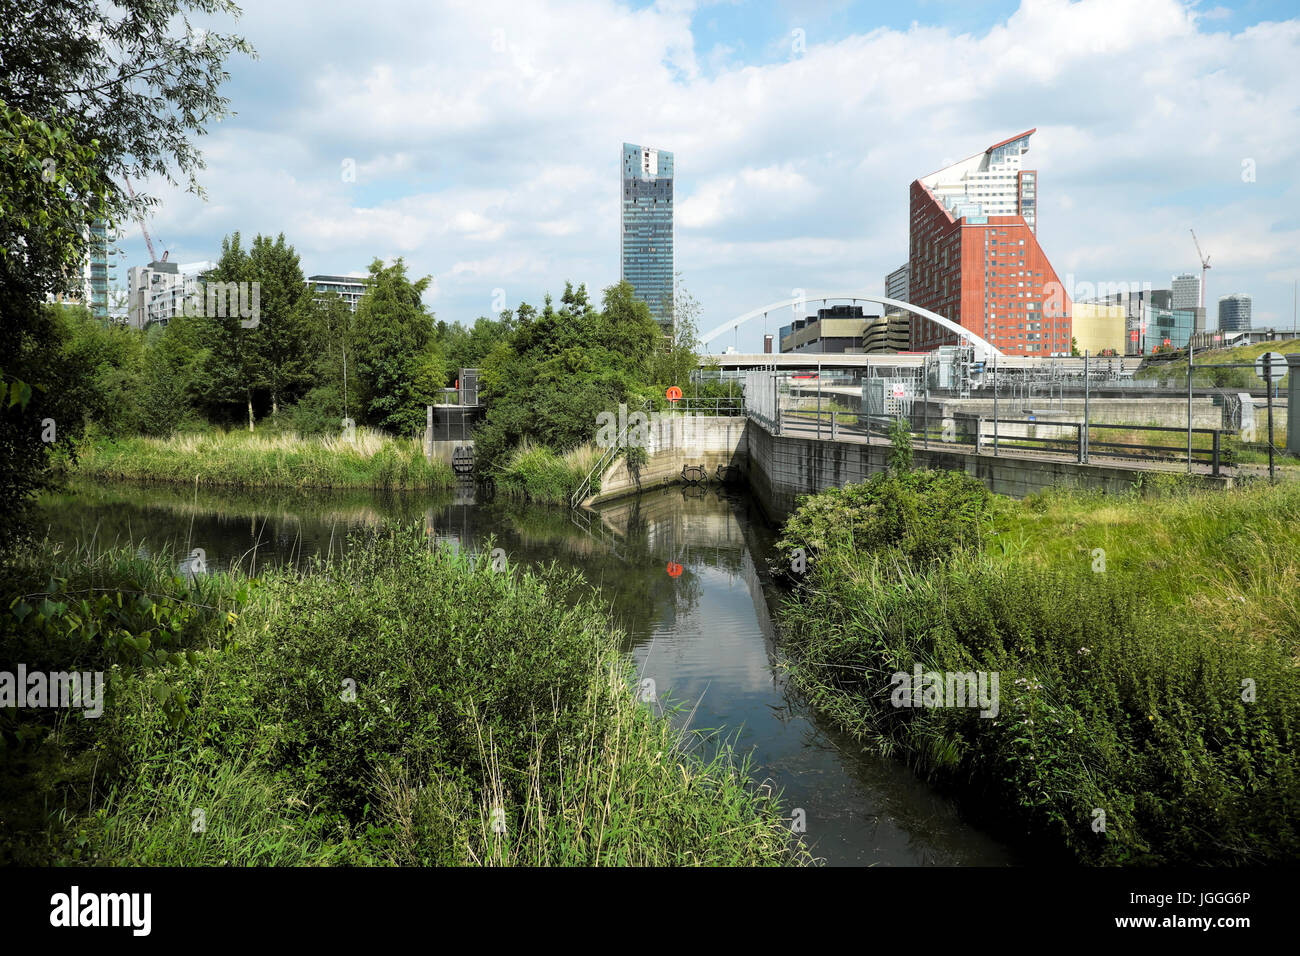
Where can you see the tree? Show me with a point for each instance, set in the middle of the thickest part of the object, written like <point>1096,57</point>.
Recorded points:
<point>399,367</point>
<point>88,92</point>
<point>134,87</point>
<point>50,189</point>
<point>329,400</point>
<point>558,369</point>
<point>674,365</point>
<point>106,363</point>
<point>235,367</point>
<point>284,338</point>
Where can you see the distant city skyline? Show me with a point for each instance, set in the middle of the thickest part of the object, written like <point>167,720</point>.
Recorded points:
<point>477,143</point>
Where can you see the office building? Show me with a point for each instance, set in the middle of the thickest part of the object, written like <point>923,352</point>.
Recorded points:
<point>647,228</point>
<point>1186,291</point>
<point>1136,303</point>
<point>1168,328</point>
<point>1098,329</point>
<point>974,257</point>
<point>351,287</point>
<point>896,284</point>
<point>1234,312</point>
<point>838,329</point>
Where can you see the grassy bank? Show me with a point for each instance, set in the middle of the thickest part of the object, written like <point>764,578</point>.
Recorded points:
<point>1175,370</point>
<point>1146,647</point>
<point>535,473</point>
<point>249,460</point>
<point>372,712</point>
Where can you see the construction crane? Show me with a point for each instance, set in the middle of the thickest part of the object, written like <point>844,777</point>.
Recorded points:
<point>148,240</point>
<point>1205,264</point>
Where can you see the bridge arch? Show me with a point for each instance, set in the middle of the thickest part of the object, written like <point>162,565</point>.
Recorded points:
<point>984,349</point>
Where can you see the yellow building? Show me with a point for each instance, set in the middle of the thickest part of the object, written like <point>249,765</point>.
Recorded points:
<point>1097,328</point>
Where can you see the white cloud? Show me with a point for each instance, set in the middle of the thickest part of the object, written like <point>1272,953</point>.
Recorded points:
<point>485,137</point>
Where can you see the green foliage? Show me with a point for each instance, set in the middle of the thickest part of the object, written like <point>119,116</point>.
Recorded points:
<point>51,187</point>
<point>923,515</point>
<point>239,459</point>
<point>88,92</point>
<point>118,614</point>
<point>469,348</point>
<point>547,380</point>
<point>900,438</point>
<point>399,368</point>
<point>1121,684</point>
<point>456,713</point>
<point>535,473</point>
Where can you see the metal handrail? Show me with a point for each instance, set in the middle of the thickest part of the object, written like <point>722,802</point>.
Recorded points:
<point>877,426</point>
<point>599,467</point>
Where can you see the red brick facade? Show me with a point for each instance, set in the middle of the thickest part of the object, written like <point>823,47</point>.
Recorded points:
<point>990,277</point>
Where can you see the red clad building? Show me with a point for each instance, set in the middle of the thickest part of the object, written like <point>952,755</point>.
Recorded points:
<point>974,257</point>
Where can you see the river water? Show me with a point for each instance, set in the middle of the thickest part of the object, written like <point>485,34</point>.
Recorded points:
<point>682,570</point>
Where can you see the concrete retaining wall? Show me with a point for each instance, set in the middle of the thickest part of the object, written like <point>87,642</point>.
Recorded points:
<point>680,440</point>
<point>1166,412</point>
<point>779,469</point>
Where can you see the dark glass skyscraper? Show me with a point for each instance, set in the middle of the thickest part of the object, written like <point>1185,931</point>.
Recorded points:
<point>1234,312</point>
<point>647,239</point>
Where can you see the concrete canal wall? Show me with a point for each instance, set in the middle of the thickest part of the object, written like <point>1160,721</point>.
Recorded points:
<point>779,469</point>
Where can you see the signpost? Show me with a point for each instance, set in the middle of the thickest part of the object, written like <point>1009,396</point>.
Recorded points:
<point>1270,366</point>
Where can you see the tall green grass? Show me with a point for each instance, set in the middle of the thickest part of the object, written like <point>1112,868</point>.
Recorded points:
<point>240,459</point>
<point>1127,633</point>
<point>536,473</point>
<point>493,723</point>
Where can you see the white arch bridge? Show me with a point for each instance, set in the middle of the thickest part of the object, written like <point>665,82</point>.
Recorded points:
<point>984,349</point>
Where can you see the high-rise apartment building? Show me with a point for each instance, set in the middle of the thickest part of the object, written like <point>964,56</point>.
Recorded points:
<point>96,271</point>
<point>160,291</point>
<point>144,283</point>
<point>991,183</point>
<point>647,228</point>
<point>974,257</point>
<point>1187,291</point>
<point>1234,312</point>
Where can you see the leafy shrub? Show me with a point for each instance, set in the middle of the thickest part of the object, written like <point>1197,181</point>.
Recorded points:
<point>477,694</point>
<point>924,515</point>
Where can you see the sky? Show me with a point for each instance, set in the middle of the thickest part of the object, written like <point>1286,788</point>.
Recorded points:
<point>480,141</point>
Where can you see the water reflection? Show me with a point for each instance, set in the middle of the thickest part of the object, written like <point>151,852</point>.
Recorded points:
<point>681,570</point>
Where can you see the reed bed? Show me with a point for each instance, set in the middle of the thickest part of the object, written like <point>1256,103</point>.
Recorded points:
<point>369,459</point>
<point>536,473</point>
